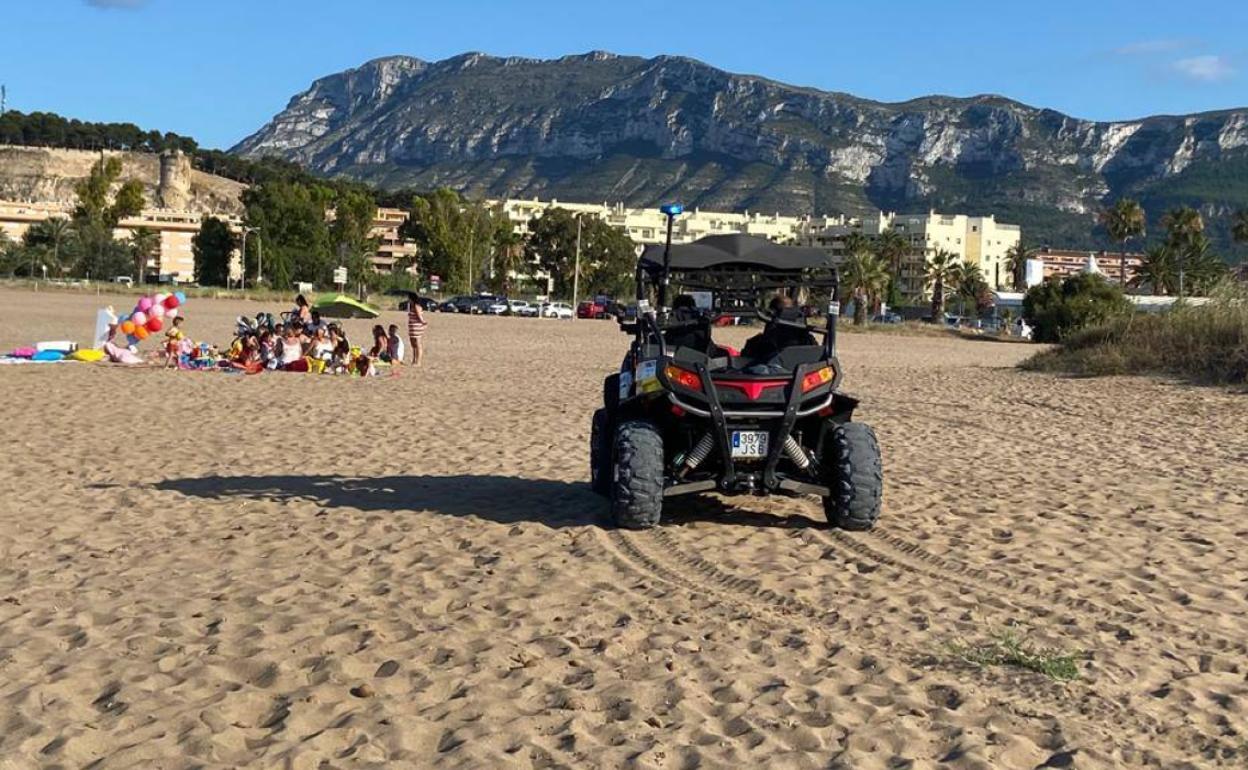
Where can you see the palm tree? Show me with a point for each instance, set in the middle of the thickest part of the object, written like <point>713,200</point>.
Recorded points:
<point>1205,267</point>
<point>51,236</point>
<point>1183,225</point>
<point>864,276</point>
<point>144,244</point>
<point>940,270</point>
<point>1123,221</point>
<point>1016,259</point>
<point>1156,270</point>
<point>509,258</point>
<point>892,247</point>
<point>969,283</point>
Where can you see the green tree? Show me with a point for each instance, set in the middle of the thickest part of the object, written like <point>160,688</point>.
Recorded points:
<point>864,277</point>
<point>351,235</point>
<point>1184,226</point>
<point>297,241</point>
<point>1123,221</point>
<point>144,244</point>
<point>610,256</point>
<point>52,242</point>
<point>508,257</point>
<point>1205,269</point>
<point>213,247</point>
<point>970,285</point>
<point>96,216</point>
<point>1016,259</point>
<point>1055,309</point>
<point>940,272</point>
<point>552,246</point>
<point>455,237</point>
<point>93,195</point>
<point>1158,271</point>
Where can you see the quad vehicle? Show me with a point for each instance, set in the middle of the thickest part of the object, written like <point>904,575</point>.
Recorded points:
<point>685,415</point>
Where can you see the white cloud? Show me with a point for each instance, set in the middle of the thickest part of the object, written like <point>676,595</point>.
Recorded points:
<point>1207,68</point>
<point>109,4</point>
<point>1143,47</point>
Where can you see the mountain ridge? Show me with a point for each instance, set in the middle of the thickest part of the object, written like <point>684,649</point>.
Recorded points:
<point>604,126</point>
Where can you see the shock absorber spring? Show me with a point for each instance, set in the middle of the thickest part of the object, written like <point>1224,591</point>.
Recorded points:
<point>698,453</point>
<point>794,452</point>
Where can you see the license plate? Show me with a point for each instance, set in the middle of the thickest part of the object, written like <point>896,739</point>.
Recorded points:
<point>749,443</point>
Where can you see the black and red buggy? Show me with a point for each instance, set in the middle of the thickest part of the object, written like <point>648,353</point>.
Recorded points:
<point>685,415</point>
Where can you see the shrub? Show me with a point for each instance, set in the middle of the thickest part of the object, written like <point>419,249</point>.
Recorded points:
<point>1055,309</point>
<point>1205,343</point>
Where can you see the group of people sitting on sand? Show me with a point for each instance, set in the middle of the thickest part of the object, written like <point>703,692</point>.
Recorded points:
<point>301,341</point>
<point>305,342</point>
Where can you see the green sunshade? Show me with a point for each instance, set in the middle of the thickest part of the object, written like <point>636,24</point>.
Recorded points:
<point>342,306</point>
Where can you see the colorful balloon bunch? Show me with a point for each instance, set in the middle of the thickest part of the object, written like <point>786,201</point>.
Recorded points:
<point>150,315</point>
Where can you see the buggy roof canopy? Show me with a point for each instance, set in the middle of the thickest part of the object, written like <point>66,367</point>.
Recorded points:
<point>716,251</point>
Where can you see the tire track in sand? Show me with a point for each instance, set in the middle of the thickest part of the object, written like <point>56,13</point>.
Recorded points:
<point>1077,702</point>
<point>898,552</point>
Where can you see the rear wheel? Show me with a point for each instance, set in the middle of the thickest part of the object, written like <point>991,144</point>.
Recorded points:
<point>851,462</point>
<point>637,491</point>
<point>600,453</point>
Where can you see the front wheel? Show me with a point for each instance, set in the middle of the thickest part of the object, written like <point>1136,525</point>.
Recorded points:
<point>855,474</point>
<point>637,491</point>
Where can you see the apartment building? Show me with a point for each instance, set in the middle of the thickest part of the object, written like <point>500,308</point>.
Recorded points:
<point>1066,262</point>
<point>649,225</point>
<point>981,241</point>
<point>391,247</point>
<point>174,259</point>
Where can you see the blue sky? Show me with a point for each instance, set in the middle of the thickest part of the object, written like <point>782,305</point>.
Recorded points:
<point>218,69</point>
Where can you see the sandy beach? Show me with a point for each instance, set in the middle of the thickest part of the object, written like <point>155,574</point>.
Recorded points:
<point>203,570</point>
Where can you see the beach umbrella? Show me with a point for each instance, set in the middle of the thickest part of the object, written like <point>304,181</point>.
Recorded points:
<point>343,306</point>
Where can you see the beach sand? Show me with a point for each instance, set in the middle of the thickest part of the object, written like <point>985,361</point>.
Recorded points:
<point>204,570</point>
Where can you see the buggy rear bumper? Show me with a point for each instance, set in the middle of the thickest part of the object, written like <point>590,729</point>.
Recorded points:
<point>752,414</point>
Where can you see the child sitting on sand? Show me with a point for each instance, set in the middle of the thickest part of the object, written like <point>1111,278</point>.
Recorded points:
<point>395,347</point>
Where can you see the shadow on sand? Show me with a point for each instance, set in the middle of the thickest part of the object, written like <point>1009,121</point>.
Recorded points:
<point>501,499</point>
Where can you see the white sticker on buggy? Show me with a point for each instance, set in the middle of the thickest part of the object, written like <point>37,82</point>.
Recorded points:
<point>834,308</point>
<point>626,385</point>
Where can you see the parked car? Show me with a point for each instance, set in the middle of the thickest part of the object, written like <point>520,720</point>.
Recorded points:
<point>427,304</point>
<point>886,318</point>
<point>524,309</point>
<point>557,310</point>
<point>124,279</point>
<point>590,309</point>
<point>447,306</point>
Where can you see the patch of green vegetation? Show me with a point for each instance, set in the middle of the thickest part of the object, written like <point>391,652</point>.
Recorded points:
<point>1007,648</point>
<point>1206,344</point>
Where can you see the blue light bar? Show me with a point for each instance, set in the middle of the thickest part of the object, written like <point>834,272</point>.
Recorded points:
<point>672,209</point>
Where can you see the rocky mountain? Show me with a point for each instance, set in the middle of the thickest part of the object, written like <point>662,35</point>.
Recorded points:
<point>605,127</point>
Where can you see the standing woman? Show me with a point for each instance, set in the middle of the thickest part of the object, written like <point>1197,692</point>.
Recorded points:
<point>416,326</point>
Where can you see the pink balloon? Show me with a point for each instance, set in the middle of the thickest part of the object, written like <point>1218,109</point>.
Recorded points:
<point>171,313</point>
<point>140,318</point>
<point>145,304</point>
<point>157,311</point>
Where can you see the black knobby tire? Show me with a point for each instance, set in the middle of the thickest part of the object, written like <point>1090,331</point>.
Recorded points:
<point>600,472</point>
<point>637,493</point>
<point>855,475</point>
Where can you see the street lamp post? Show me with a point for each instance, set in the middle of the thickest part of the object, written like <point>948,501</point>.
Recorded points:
<point>576,268</point>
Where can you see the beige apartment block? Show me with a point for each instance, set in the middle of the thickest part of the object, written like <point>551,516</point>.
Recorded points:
<point>980,241</point>
<point>175,259</point>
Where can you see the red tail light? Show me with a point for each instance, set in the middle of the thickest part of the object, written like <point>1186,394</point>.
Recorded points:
<point>683,377</point>
<point>817,378</point>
